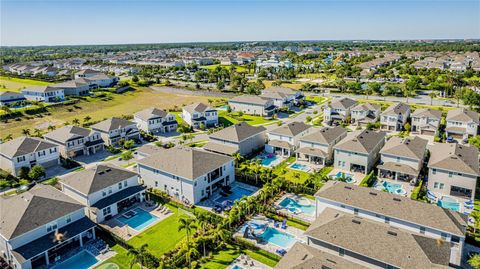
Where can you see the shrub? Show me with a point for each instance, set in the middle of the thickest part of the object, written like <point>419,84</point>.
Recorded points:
<point>113,150</point>
<point>37,172</point>
<point>369,180</point>
<point>127,155</point>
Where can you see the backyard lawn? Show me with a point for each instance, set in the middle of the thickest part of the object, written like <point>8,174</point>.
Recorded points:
<point>17,84</point>
<point>290,174</point>
<point>224,258</point>
<point>231,118</point>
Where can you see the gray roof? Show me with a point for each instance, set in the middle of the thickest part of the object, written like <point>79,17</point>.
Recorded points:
<point>274,95</point>
<point>454,157</point>
<point>427,113</point>
<point>325,135</point>
<point>396,109</point>
<point>194,162</point>
<point>394,206</point>
<point>70,84</point>
<point>197,107</point>
<point>291,129</point>
<point>279,89</point>
<point>398,167</point>
<point>361,141</point>
<point>87,71</point>
<point>342,103</point>
<point>10,93</point>
<point>220,148</point>
<point>149,149</point>
<point>414,148</point>
<point>463,114</point>
<point>250,99</point>
<point>32,209</point>
<point>96,178</point>
<point>112,124</point>
<point>366,107</point>
<point>238,132</point>
<point>380,241</point>
<point>151,113</point>
<point>40,89</point>
<point>24,145</point>
<point>302,256</point>
<point>68,133</point>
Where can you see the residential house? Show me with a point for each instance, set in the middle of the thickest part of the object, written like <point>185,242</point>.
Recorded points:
<point>358,151</point>
<point>453,170</point>
<point>402,158</point>
<point>426,121</point>
<point>188,174</point>
<point>154,121</point>
<point>339,110</point>
<point>239,138</point>
<point>76,141</point>
<point>47,94</point>
<point>199,114</point>
<point>114,129</point>
<point>106,190</point>
<point>317,147</point>
<point>73,88</point>
<point>95,79</point>
<point>462,123</point>
<point>285,139</point>
<point>41,226</point>
<point>27,151</point>
<point>398,214</point>
<point>394,117</point>
<point>10,98</point>
<point>283,97</point>
<point>252,105</point>
<point>365,113</point>
<point>148,150</point>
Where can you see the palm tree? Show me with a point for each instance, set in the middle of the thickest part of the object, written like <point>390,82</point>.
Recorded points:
<point>38,132</point>
<point>51,127</point>
<point>187,224</point>
<point>138,255</point>
<point>76,121</point>
<point>238,158</point>
<point>87,118</point>
<point>26,132</point>
<point>432,95</point>
<point>8,137</point>
<point>191,251</point>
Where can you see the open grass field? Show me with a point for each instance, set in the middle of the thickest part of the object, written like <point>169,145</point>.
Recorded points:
<point>18,84</point>
<point>238,68</point>
<point>120,104</point>
<point>385,104</point>
<point>228,119</point>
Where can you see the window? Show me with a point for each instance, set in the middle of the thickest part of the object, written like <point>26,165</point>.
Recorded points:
<point>104,193</point>
<point>52,226</point>
<point>441,186</point>
<point>444,236</point>
<point>450,174</point>
<point>41,153</point>
<point>120,185</point>
<point>387,220</point>
<point>106,211</point>
<point>455,239</point>
<point>110,190</point>
<point>52,150</point>
<point>68,218</point>
<point>125,183</point>
<point>434,171</point>
<point>435,185</point>
<point>398,159</point>
<point>341,252</point>
<point>355,211</point>
<point>156,184</point>
<point>21,159</point>
<point>422,230</point>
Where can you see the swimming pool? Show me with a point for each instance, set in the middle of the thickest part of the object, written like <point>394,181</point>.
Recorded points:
<point>278,238</point>
<point>237,267</point>
<point>269,161</point>
<point>394,188</point>
<point>237,193</point>
<point>141,220</point>
<point>81,260</point>
<point>449,203</point>
<point>345,175</point>
<point>304,206</point>
<point>301,167</point>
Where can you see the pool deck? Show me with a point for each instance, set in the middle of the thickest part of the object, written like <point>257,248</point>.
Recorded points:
<point>405,185</point>
<point>209,203</point>
<point>299,234</point>
<point>357,176</point>
<point>313,167</point>
<point>126,232</point>
<point>302,216</point>
<point>274,163</point>
<point>244,261</point>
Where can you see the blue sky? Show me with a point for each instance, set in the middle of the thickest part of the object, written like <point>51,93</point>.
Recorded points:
<point>67,22</point>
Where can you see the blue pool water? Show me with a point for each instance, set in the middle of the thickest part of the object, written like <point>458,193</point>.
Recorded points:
<point>237,193</point>
<point>237,267</point>
<point>81,260</point>
<point>278,238</point>
<point>449,203</point>
<point>139,221</point>
<point>346,175</point>
<point>289,204</point>
<point>268,161</point>
<point>300,167</point>
<point>392,187</point>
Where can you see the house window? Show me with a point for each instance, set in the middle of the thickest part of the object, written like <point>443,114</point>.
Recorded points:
<point>434,171</point>
<point>106,211</point>
<point>120,185</point>
<point>52,226</point>
<point>387,220</point>
<point>125,183</point>
<point>68,218</point>
<point>455,239</point>
<point>41,153</point>
<point>435,185</point>
<point>156,184</point>
<point>441,186</point>
<point>203,193</point>
<point>52,150</point>
<point>110,190</point>
<point>450,174</point>
<point>341,252</point>
<point>422,230</point>
<point>104,193</point>
<point>355,211</point>
<point>21,159</point>
<point>444,236</point>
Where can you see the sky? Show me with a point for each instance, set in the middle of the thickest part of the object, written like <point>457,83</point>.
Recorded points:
<point>77,22</point>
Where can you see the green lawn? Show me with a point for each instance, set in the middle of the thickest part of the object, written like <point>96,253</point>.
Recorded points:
<point>231,118</point>
<point>17,84</point>
<point>290,174</point>
<point>224,258</point>
<point>316,99</point>
<point>238,68</point>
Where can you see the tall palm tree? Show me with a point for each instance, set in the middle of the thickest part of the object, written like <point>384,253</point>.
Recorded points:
<point>87,118</point>
<point>187,224</point>
<point>191,251</point>
<point>432,95</point>
<point>76,121</point>
<point>51,127</point>
<point>26,132</point>
<point>8,137</point>
<point>37,132</point>
<point>138,255</point>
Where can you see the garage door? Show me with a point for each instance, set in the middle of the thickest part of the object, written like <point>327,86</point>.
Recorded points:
<point>456,136</point>
<point>79,153</point>
<point>49,163</point>
<point>428,132</point>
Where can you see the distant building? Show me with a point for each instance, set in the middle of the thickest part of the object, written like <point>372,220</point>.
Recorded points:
<point>239,138</point>
<point>365,113</point>
<point>252,105</point>
<point>47,94</point>
<point>9,98</point>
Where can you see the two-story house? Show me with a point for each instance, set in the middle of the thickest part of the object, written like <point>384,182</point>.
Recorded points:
<point>8,98</point>
<point>41,226</point>
<point>285,139</point>
<point>154,121</point>
<point>365,113</point>
<point>106,190</point>
<point>358,151</point>
<point>252,105</point>
<point>196,176</point>
<point>317,146</point>
<point>380,220</point>
<point>338,110</point>
<point>114,129</point>
<point>73,88</point>
<point>199,114</point>
<point>426,121</point>
<point>283,97</point>
<point>462,123</point>
<point>47,94</point>
<point>27,151</point>
<point>453,170</point>
<point>402,158</point>
<point>394,117</point>
<point>95,79</point>
<point>75,141</point>
<point>239,138</point>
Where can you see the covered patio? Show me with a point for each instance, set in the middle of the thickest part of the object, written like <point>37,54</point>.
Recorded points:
<point>279,147</point>
<point>311,155</point>
<point>397,171</point>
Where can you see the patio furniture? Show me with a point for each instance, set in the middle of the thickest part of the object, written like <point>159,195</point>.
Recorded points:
<point>284,224</point>
<point>281,251</point>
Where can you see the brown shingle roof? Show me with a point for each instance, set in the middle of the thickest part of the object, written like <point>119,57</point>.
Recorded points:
<point>396,109</point>
<point>197,107</point>
<point>325,135</point>
<point>67,133</point>
<point>361,141</point>
<point>112,124</point>
<point>238,132</point>
<point>24,145</point>
<point>343,103</point>
<point>291,129</point>
<point>454,157</point>
<point>464,115</point>
<point>151,113</point>
<point>406,147</point>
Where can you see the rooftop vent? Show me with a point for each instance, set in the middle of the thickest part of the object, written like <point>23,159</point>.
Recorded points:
<point>348,187</point>
<point>392,233</point>
<point>305,257</point>
<point>101,172</point>
<point>397,199</point>
<point>373,193</point>
<point>356,221</point>
<point>108,170</point>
